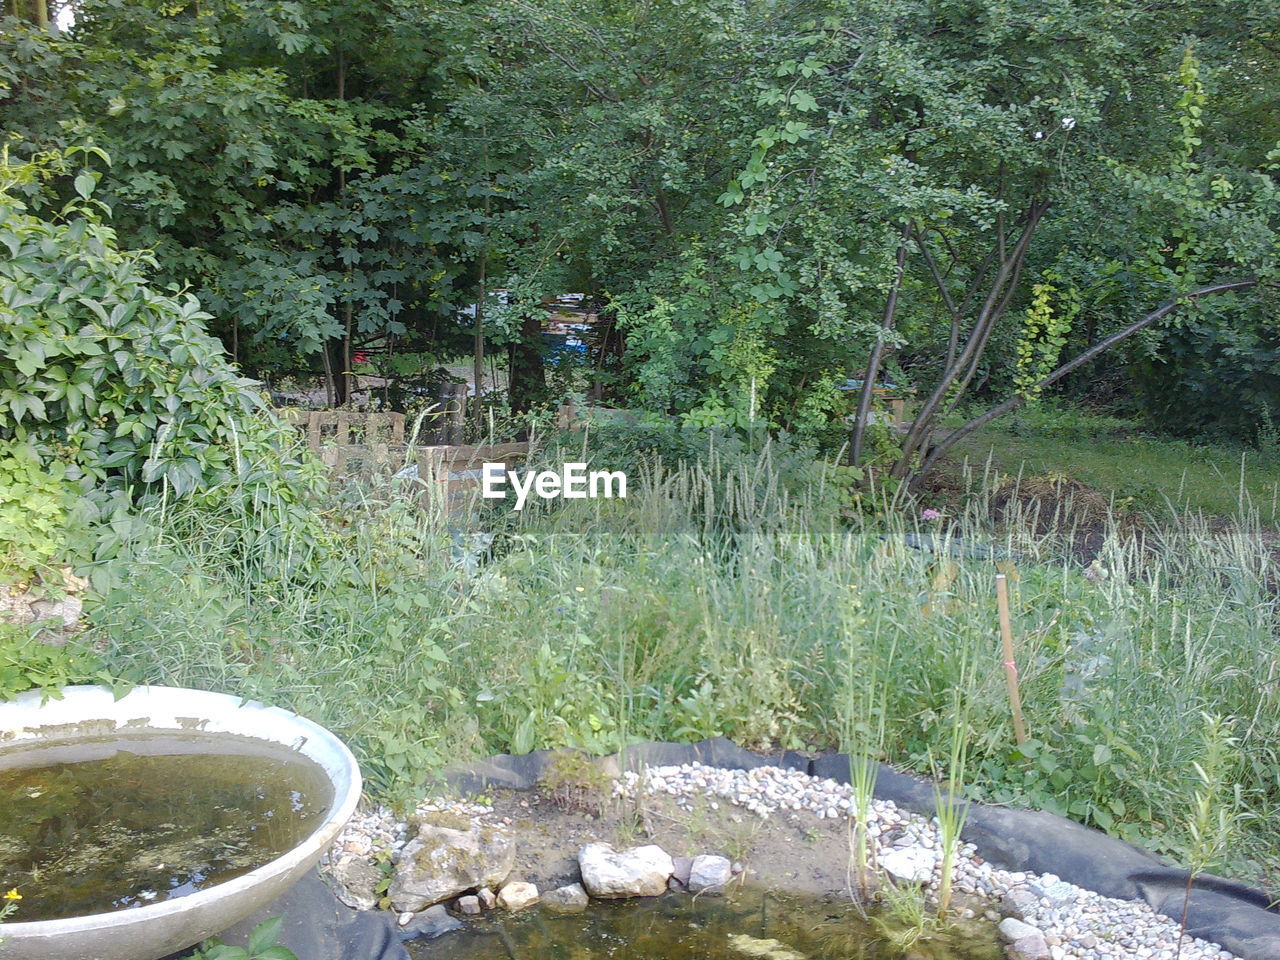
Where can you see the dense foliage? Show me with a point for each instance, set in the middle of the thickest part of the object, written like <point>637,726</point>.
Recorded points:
<point>770,203</point>
<point>111,391</point>
<point>759,195</point>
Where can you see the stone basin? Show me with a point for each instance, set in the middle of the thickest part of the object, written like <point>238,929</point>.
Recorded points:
<point>156,930</point>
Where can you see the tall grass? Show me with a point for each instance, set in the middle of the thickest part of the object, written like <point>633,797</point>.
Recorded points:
<point>720,599</point>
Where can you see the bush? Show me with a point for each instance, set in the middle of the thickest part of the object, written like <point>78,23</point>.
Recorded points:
<point>108,380</point>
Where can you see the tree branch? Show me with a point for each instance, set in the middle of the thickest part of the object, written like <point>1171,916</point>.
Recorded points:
<point>877,351</point>
<point>1018,399</point>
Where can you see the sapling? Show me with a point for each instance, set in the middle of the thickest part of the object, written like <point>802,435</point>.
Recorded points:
<point>1216,804</point>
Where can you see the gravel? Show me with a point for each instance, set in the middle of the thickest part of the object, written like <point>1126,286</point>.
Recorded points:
<point>1076,923</point>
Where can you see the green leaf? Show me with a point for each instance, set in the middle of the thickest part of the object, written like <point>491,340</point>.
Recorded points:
<point>803,101</point>
<point>264,935</point>
<point>84,185</point>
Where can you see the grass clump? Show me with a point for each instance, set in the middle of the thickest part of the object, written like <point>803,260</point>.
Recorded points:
<point>575,784</point>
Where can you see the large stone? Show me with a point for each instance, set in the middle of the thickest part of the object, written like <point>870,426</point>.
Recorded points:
<point>1029,948</point>
<point>1019,903</point>
<point>518,895</point>
<point>429,924</point>
<point>908,864</point>
<point>450,856</point>
<point>569,899</point>
<point>1013,929</point>
<point>356,882</point>
<point>612,874</point>
<point>67,611</point>
<point>681,868</point>
<point>1025,941</point>
<point>709,874</point>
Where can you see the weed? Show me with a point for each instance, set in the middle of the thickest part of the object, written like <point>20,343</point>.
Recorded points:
<point>903,919</point>
<point>1215,815</point>
<point>574,783</point>
<point>262,946</point>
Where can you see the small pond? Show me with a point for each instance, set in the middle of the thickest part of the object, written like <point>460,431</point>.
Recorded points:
<point>745,924</point>
<point>97,825</point>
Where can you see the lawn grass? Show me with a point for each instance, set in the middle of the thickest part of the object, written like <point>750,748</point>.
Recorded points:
<point>1115,457</point>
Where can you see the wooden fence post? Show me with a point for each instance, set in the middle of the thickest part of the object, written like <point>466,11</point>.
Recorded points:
<point>1010,664</point>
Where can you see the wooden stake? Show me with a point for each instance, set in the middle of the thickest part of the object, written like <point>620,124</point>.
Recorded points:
<point>1010,665</point>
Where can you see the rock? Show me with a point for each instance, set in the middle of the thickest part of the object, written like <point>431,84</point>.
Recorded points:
<point>356,882</point>
<point>447,858</point>
<point>762,949</point>
<point>638,872</point>
<point>908,864</point>
<point>487,898</point>
<point>430,923</point>
<point>709,874</point>
<point>1025,941</point>
<point>518,895</point>
<point>1029,948</point>
<point>67,610</point>
<point>469,906</point>
<point>570,899</point>
<point>1020,903</point>
<point>1012,929</point>
<point>681,866</point>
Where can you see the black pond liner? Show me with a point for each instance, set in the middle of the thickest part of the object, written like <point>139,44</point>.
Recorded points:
<point>318,927</point>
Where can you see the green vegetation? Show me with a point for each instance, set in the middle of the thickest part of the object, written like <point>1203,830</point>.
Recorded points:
<point>1132,466</point>
<point>972,197</point>
<point>673,615</point>
<point>28,661</point>
<point>765,205</point>
<point>262,946</point>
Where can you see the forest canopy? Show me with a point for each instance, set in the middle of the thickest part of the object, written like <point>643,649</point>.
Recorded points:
<point>768,200</point>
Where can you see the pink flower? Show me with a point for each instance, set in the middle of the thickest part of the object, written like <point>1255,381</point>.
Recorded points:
<point>931,514</point>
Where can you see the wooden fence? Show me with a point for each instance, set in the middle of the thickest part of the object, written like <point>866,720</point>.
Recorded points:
<point>363,446</point>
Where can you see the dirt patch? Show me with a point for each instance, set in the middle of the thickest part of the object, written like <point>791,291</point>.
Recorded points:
<point>797,851</point>
<point>1053,508</point>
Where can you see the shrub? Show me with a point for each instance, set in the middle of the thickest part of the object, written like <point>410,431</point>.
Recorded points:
<point>108,380</point>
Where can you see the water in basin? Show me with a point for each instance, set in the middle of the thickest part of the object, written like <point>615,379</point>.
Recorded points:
<point>96,825</point>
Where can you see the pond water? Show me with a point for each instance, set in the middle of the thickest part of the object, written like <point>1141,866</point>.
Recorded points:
<point>96,825</point>
<point>743,925</point>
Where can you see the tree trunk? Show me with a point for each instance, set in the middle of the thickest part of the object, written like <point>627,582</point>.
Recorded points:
<point>1018,399</point>
<point>960,373</point>
<point>528,382</point>
<point>877,351</point>
<point>330,381</point>
<point>348,374</point>
<point>477,407</point>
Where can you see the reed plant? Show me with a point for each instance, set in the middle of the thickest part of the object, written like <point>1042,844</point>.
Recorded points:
<point>950,805</point>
